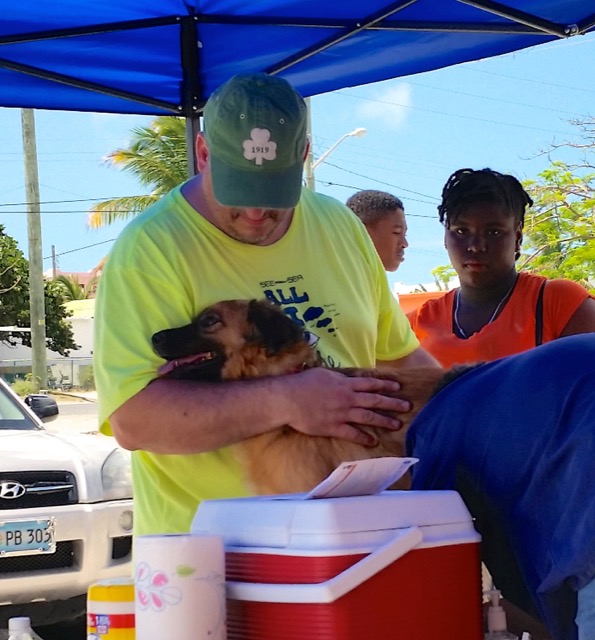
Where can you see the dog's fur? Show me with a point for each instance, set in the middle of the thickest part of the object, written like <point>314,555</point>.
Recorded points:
<point>242,339</point>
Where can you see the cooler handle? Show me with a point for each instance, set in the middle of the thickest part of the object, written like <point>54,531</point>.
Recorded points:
<point>336,587</point>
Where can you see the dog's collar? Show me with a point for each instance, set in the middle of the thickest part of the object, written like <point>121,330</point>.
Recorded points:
<point>172,365</point>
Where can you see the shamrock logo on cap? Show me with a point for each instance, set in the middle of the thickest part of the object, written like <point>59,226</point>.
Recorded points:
<point>259,146</point>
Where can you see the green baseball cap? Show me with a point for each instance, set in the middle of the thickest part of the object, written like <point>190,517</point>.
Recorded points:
<point>256,131</point>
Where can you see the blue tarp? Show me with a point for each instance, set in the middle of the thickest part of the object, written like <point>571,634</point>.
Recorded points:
<point>167,56</point>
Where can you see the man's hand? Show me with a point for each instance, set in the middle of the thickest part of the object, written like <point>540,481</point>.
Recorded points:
<point>323,402</point>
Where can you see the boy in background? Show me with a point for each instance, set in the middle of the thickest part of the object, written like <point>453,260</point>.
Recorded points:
<point>384,217</point>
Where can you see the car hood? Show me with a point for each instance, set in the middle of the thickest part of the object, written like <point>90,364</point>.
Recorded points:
<point>44,449</point>
<point>83,454</point>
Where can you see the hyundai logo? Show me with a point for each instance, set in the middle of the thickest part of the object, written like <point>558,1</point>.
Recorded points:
<point>12,490</point>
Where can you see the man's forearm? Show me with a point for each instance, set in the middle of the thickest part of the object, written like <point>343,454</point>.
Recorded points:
<point>417,358</point>
<point>182,417</point>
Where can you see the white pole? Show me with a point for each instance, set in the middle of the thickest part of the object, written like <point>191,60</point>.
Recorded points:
<point>308,165</point>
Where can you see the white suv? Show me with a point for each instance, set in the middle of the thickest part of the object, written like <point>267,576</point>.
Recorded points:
<point>65,512</point>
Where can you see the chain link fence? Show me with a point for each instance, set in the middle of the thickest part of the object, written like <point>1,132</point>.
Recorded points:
<point>63,373</point>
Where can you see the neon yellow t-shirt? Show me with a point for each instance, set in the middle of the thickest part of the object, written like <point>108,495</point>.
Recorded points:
<point>170,263</point>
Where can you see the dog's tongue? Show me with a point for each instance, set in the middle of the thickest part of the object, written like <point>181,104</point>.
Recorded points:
<point>171,365</point>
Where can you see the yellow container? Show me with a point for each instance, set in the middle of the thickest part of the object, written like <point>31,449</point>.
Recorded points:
<point>110,610</point>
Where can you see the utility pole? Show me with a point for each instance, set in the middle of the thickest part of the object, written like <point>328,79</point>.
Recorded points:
<point>36,289</point>
<point>54,262</point>
<point>309,164</point>
<point>310,182</point>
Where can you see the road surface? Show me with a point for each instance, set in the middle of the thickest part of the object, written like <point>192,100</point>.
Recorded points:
<point>75,416</point>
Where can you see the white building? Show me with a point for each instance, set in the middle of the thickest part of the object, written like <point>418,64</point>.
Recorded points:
<point>63,371</point>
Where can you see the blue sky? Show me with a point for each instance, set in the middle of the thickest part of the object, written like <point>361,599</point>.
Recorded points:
<point>500,112</point>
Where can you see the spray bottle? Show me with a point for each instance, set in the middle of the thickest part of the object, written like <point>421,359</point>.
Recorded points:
<point>497,620</point>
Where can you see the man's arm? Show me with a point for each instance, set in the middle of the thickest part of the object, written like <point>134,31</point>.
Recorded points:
<point>180,417</point>
<point>417,358</point>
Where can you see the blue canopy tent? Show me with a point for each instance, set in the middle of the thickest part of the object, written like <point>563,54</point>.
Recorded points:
<point>167,56</point>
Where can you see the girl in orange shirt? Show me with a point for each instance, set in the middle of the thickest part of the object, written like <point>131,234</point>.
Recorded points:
<point>496,311</point>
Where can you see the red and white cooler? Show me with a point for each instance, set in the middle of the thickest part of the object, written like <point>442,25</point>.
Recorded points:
<point>398,565</point>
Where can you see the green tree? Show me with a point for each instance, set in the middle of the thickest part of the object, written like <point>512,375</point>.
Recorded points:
<point>14,301</point>
<point>443,276</point>
<point>585,148</point>
<point>156,155</point>
<point>559,235</point>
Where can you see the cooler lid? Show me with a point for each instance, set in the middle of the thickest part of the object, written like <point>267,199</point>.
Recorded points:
<point>272,521</point>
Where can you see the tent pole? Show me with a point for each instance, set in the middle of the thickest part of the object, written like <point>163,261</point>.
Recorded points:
<point>192,129</point>
<point>191,90</point>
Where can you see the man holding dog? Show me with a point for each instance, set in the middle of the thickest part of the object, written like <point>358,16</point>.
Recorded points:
<point>242,228</point>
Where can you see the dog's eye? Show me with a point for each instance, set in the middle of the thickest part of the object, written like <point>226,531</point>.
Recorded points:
<point>209,321</point>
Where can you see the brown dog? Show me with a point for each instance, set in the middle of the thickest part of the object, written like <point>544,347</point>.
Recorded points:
<point>242,339</point>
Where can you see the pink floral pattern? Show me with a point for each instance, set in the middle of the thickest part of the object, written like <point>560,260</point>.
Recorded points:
<point>153,590</point>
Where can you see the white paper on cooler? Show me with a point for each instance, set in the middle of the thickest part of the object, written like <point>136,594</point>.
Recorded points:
<point>179,587</point>
<point>362,477</point>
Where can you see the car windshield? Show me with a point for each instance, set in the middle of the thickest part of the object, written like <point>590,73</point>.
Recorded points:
<point>12,416</point>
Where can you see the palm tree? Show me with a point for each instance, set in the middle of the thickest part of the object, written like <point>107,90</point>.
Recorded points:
<point>156,155</point>
<point>71,288</point>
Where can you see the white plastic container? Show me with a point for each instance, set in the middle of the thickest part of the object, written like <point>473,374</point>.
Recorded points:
<point>20,629</point>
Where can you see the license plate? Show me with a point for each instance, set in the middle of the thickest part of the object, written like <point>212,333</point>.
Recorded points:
<point>27,537</point>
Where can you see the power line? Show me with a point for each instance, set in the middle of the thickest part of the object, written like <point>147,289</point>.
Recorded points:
<point>511,77</point>
<point>54,153</point>
<point>24,204</point>
<point>491,98</point>
<point>354,188</point>
<point>89,246</point>
<point>455,115</point>
<point>380,154</point>
<point>360,175</point>
<point>65,211</point>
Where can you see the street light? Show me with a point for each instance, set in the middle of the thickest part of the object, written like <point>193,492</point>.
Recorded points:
<point>310,181</point>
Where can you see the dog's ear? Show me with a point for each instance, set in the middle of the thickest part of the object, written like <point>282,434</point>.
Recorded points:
<point>274,328</point>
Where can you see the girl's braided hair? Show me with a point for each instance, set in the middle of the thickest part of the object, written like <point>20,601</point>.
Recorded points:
<point>468,186</point>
